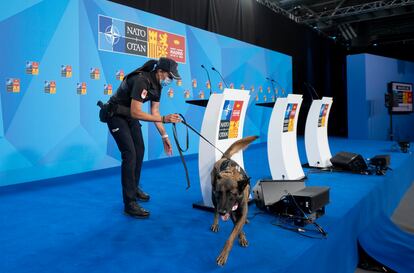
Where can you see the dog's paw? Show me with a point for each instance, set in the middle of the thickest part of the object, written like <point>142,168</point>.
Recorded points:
<point>222,258</point>
<point>214,228</point>
<point>243,241</point>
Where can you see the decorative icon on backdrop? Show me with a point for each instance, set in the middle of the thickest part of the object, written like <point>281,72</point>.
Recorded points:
<point>208,85</point>
<point>108,89</point>
<point>13,85</point>
<point>260,89</point>
<point>276,91</point>
<point>194,83</point>
<point>251,89</point>
<point>94,74</point>
<point>201,94</point>
<point>120,75</point>
<point>66,71</point>
<point>264,98</point>
<point>186,94</point>
<point>220,85</point>
<point>179,82</point>
<point>170,93</point>
<point>283,92</point>
<point>273,98</point>
<point>50,87</point>
<point>81,88</point>
<point>242,86</point>
<point>257,97</point>
<point>32,68</point>
<point>268,89</point>
<point>231,85</point>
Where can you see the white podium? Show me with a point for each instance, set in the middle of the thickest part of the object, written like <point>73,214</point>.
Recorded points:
<point>316,134</point>
<point>222,125</point>
<point>282,149</point>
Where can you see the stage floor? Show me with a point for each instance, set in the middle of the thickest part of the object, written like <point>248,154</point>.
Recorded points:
<point>75,223</point>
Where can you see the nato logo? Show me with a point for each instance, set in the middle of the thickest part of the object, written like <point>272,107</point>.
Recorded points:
<point>121,36</point>
<point>227,110</point>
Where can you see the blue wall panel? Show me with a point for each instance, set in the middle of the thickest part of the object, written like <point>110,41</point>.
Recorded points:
<point>47,135</point>
<point>368,117</point>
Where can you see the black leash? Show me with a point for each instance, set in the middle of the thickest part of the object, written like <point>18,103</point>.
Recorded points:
<point>181,150</point>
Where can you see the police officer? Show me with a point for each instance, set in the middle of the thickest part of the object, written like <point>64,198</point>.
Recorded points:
<point>142,85</point>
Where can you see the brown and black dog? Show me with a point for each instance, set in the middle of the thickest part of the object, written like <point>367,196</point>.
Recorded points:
<point>230,195</point>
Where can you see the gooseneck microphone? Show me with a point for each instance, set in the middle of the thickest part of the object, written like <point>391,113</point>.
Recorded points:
<point>310,87</point>
<point>271,82</point>
<point>278,84</point>
<point>212,68</point>
<point>208,77</point>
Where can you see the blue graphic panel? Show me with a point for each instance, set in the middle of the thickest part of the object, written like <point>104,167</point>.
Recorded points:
<point>227,110</point>
<point>45,134</point>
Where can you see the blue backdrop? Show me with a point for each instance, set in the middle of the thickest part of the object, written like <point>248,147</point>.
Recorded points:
<point>368,117</point>
<point>45,134</point>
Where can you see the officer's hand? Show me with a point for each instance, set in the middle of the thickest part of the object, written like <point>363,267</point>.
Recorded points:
<point>172,118</point>
<point>167,146</point>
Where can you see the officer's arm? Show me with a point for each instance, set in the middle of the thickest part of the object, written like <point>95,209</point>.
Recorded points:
<point>137,113</point>
<point>155,111</point>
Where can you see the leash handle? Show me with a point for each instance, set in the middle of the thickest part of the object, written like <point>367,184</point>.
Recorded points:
<point>181,150</point>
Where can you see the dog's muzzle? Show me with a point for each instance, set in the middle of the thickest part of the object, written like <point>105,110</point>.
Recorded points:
<point>226,215</point>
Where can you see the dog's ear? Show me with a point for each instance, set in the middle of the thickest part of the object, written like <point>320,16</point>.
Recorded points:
<point>241,184</point>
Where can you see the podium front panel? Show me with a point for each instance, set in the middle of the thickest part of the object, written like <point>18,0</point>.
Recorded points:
<point>222,125</point>
<point>282,147</point>
<point>316,134</point>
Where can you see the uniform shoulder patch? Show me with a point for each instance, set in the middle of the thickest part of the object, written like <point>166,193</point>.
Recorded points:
<point>144,94</point>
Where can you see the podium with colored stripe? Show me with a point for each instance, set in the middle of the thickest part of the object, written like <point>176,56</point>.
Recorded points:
<point>316,134</point>
<point>282,146</point>
<point>222,125</point>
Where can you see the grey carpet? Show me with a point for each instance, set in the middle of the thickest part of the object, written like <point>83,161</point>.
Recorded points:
<point>403,216</point>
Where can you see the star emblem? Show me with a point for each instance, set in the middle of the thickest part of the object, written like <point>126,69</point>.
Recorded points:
<point>112,35</point>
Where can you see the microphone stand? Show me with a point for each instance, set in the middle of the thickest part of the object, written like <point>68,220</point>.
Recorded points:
<point>208,77</point>
<point>212,68</point>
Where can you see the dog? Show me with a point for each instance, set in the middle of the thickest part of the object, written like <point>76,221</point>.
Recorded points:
<point>230,195</point>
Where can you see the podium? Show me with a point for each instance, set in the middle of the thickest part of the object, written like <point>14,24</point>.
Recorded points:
<point>316,134</point>
<point>282,149</point>
<point>222,125</point>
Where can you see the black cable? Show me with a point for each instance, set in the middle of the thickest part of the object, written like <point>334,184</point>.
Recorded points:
<point>303,218</point>
<point>307,218</point>
<point>284,224</point>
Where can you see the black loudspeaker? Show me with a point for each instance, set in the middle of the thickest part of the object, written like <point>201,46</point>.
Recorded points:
<point>349,162</point>
<point>381,161</point>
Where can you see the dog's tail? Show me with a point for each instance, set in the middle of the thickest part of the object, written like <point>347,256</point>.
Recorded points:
<point>240,144</point>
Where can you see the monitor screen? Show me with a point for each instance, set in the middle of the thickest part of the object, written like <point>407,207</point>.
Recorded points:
<point>401,95</point>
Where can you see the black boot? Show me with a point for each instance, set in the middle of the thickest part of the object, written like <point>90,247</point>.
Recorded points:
<point>142,196</point>
<point>134,210</point>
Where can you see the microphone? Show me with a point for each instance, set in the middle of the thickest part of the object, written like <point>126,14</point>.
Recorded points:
<point>278,84</point>
<point>208,77</point>
<point>310,87</point>
<point>271,82</point>
<point>212,68</point>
